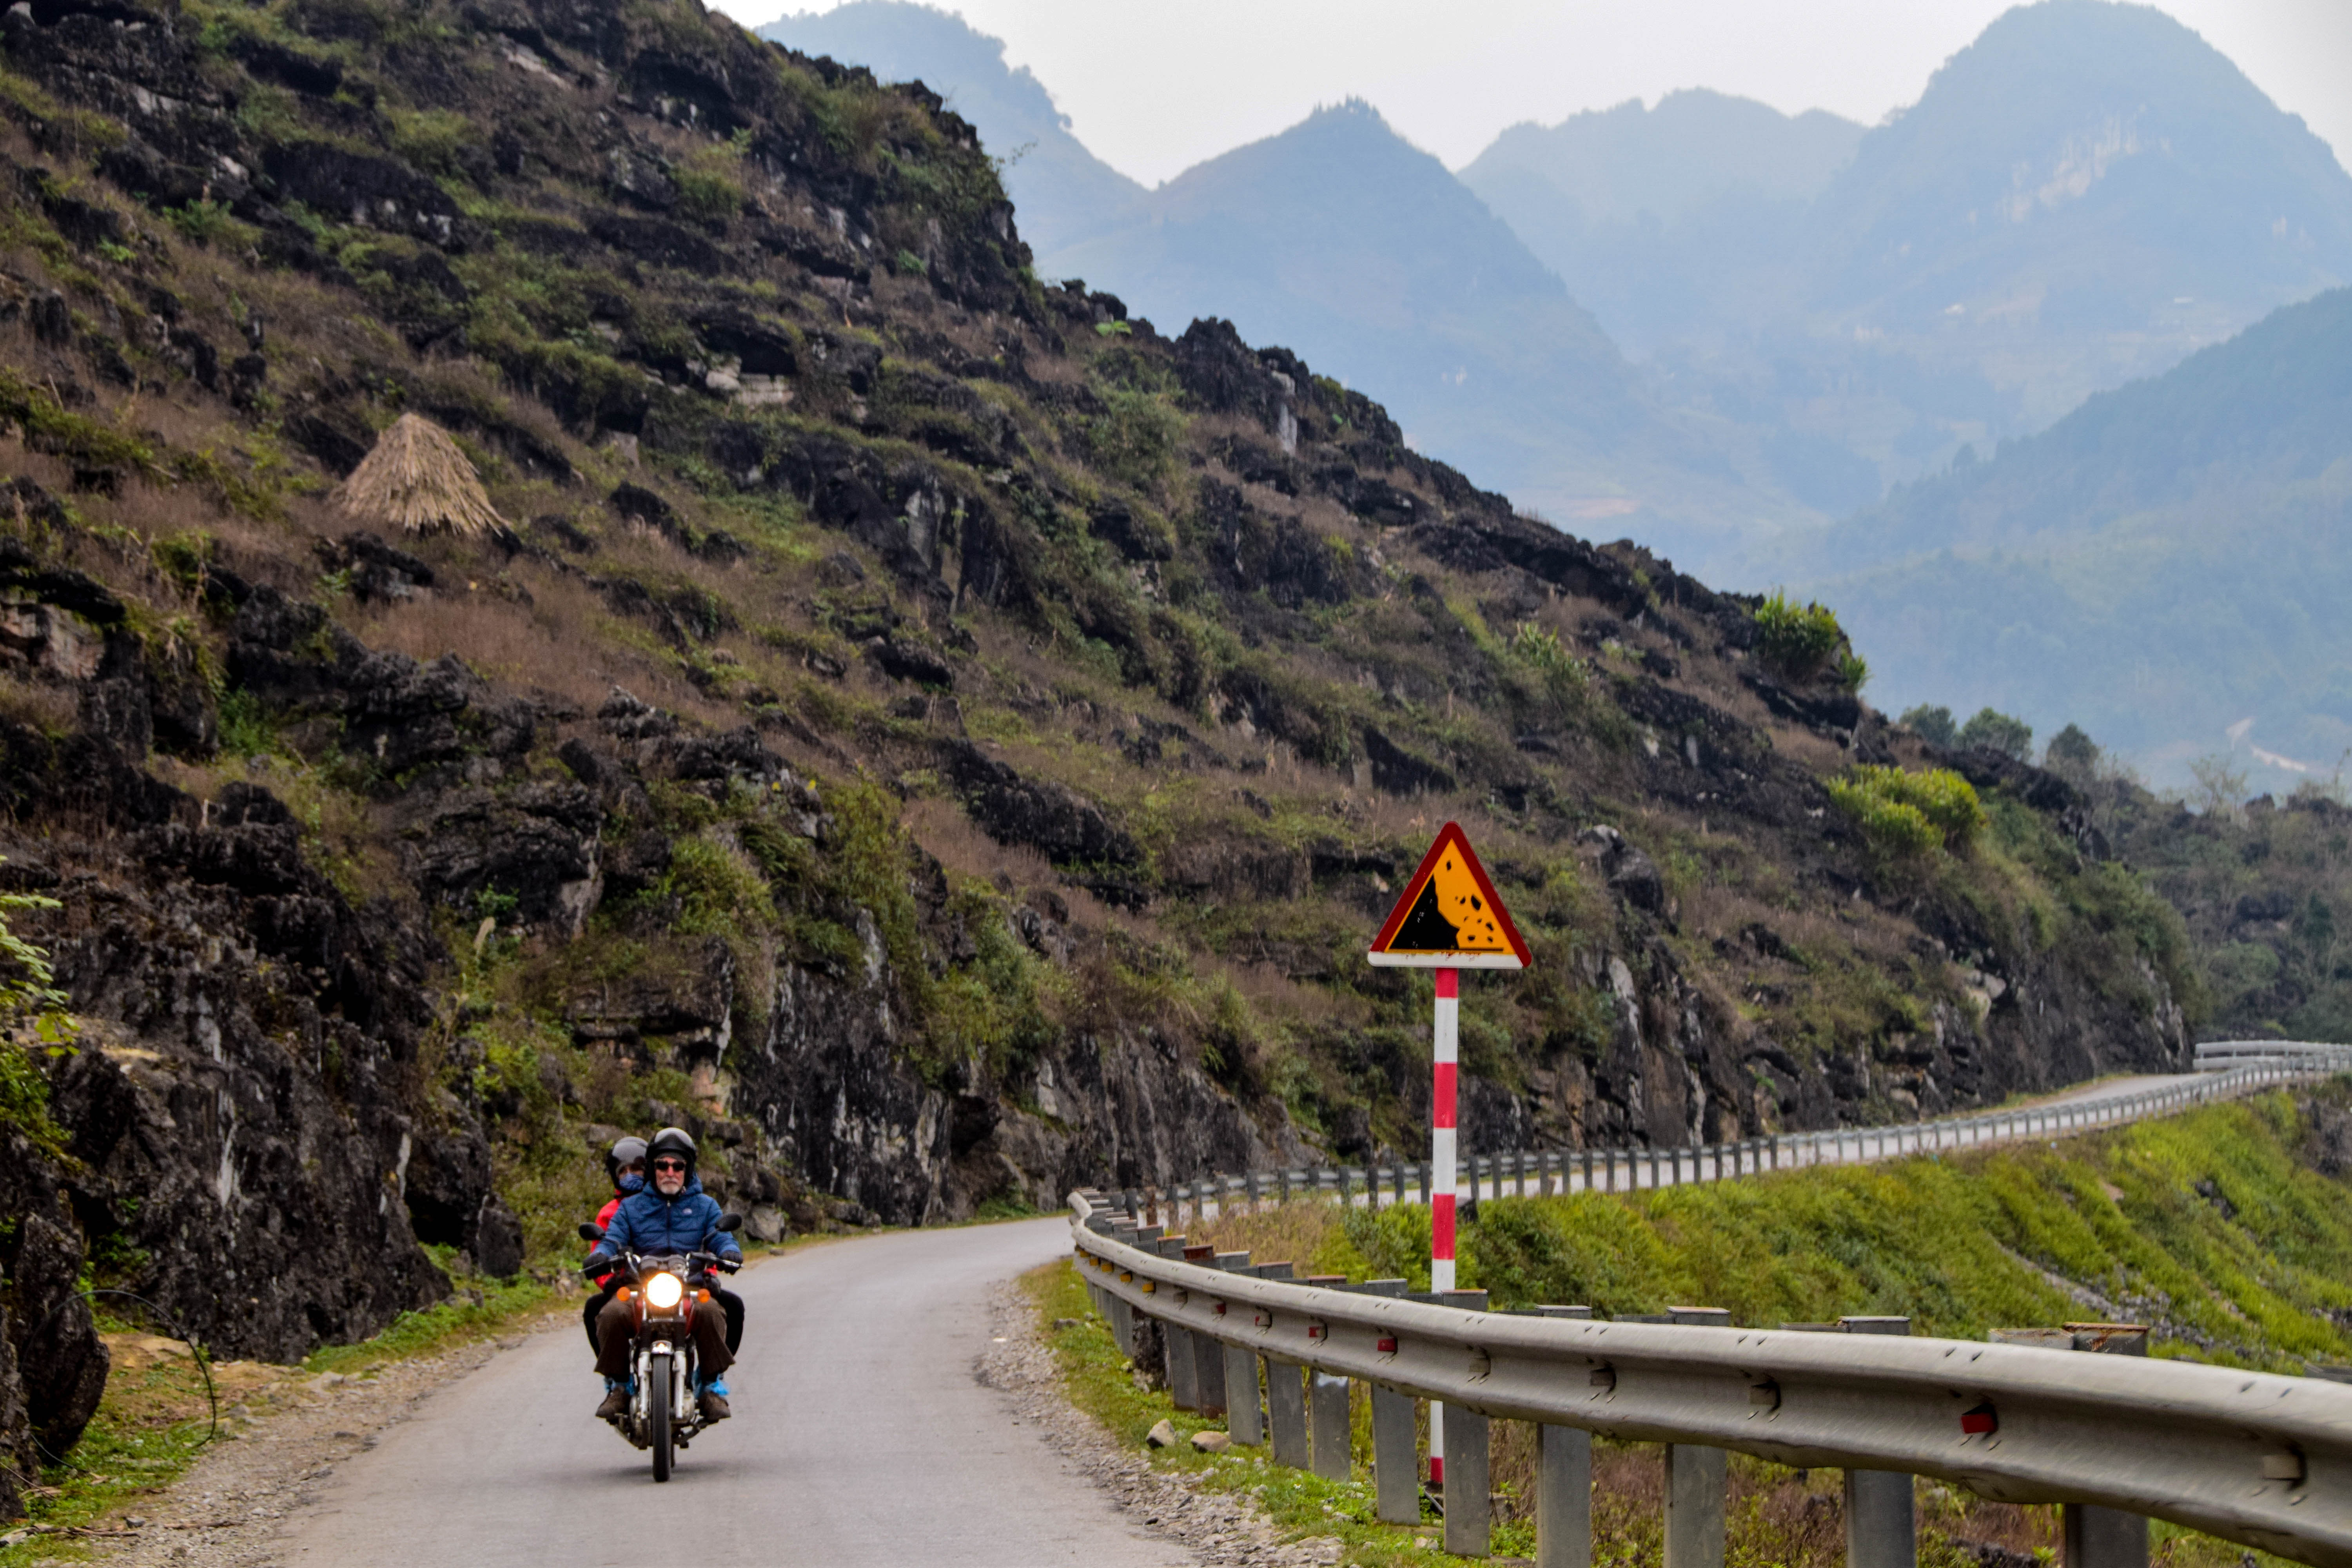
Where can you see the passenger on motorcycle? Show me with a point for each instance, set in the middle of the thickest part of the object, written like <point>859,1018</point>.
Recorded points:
<point>625,1165</point>
<point>671,1216</point>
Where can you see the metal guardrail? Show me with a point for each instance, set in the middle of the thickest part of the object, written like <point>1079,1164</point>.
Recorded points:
<point>2232,1069</point>
<point>2261,1459</point>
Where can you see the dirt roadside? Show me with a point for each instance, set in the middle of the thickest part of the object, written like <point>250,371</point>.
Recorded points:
<point>280,1438</point>
<point>1220,1528</point>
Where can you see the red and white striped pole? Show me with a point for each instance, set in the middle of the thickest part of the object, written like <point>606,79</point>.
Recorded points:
<point>1442,1179</point>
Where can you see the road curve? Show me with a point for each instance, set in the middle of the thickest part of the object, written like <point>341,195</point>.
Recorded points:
<point>861,1436</point>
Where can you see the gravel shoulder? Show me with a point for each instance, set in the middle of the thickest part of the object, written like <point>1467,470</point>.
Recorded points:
<point>285,1434</point>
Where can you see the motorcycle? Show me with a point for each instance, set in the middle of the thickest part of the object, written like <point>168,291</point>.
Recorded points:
<point>663,1292</point>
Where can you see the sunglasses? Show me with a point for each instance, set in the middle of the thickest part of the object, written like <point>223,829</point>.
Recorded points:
<point>670,1165</point>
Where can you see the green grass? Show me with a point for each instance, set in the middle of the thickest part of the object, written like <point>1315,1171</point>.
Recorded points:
<point>482,1309</point>
<point>2209,1227</point>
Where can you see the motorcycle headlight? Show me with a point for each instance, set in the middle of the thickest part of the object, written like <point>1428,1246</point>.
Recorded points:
<point>662,1291</point>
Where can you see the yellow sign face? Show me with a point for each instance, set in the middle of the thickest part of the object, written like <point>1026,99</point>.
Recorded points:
<point>1449,916</point>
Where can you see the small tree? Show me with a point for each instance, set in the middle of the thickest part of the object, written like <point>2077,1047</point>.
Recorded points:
<point>2220,788</point>
<point>1933,725</point>
<point>2072,756</point>
<point>1997,731</point>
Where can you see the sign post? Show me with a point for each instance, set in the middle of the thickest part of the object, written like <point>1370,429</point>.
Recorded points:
<point>1449,920</point>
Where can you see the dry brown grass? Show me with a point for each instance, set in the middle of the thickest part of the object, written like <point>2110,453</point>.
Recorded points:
<point>418,481</point>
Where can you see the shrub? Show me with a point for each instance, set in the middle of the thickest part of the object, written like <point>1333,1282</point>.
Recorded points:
<point>714,198</point>
<point>1908,814</point>
<point>1134,437</point>
<point>1542,651</point>
<point>30,1002</point>
<point>1798,641</point>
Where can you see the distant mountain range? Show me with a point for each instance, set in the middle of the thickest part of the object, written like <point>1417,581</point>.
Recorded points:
<point>1897,326</point>
<point>2086,194</point>
<point>1671,221</point>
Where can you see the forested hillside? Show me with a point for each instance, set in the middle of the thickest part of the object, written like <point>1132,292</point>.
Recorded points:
<point>939,737</point>
<point>2163,566</point>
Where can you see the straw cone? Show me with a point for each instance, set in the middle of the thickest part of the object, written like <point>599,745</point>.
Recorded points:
<point>418,480</point>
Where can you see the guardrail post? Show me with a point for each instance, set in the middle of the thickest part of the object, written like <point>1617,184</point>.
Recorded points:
<point>1563,1485</point>
<point>1396,1458</point>
<point>1237,1372</point>
<point>2106,1537</point>
<point>1469,1510</point>
<point>1331,1458</point>
<point>1881,1518</point>
<point>1285,1409</point>
<point>1183,1383</point>
<point>1208,1372</point>
<point>1696,1479</point>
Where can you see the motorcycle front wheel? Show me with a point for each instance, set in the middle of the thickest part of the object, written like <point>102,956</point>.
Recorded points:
<point>658,1410</point>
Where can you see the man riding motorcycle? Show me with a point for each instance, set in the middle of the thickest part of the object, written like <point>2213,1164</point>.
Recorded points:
<point>671,1216</point>
<point>624,1166</point>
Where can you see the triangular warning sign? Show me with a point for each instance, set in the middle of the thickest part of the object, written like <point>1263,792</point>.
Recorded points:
<point>1449,917</point>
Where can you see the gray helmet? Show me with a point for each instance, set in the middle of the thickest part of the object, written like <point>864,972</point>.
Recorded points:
<point>671,1141</point>
<point>626,1151</point>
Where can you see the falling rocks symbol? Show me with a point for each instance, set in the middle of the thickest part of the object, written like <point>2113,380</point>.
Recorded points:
<point>1425,930</point>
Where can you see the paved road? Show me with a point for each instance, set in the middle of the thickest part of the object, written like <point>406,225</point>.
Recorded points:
<point>861,1436</point>
<point>2119,1088</point>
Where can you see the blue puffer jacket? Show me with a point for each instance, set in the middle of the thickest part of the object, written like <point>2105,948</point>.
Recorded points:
<point>653,1226</point>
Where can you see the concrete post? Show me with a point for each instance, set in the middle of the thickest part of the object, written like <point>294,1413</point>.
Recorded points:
<point>1331,1458</point>
<point>1563,1485</point>
<point>1396,1458</point>
<point>1881,1517</point>
<point>1237,1372</point>
<point>1285,1409</point>
<point>1696,1479</point>
<point>1122,1324</point>
<point>1243,1419</point>
<point>2106,1537</point>
<point>1469,1512</point>
<point>1563,1498</point>
<point>1695,1490</point>
<point>1208,1372</point>
<point>1183,1385</point>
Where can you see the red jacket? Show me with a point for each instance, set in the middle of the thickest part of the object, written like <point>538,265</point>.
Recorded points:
<point>605,1218</point>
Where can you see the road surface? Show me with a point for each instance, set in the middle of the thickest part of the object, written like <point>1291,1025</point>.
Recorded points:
<point>861,1436</point>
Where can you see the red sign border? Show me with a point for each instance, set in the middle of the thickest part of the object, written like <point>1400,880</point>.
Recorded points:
<point>1452,832</point>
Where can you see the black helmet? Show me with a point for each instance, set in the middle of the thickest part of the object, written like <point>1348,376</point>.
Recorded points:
<point>626,1151</point>
<point>671,1141</point>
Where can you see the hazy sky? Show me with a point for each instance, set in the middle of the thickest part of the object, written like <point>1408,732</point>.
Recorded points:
<point>1154,86</point>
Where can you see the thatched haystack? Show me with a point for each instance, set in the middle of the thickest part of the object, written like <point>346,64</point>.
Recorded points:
<point>418,481</point>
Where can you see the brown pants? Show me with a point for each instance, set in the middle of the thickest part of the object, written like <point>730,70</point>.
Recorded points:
<point>613,1338</point>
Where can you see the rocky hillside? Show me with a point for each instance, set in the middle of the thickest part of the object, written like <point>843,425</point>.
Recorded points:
<point>939,738</point>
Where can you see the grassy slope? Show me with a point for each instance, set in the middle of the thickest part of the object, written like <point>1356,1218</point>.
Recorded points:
<point>2209,1227</point>
<point>2116,1223</point>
